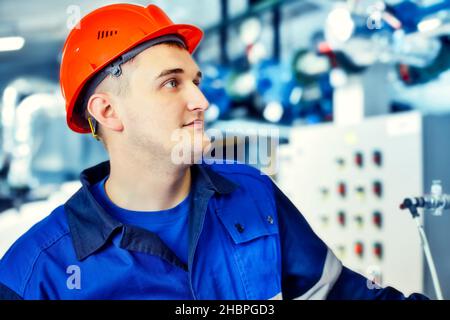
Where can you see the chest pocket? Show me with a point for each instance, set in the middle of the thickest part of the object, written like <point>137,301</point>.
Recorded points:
<point>255,247</point>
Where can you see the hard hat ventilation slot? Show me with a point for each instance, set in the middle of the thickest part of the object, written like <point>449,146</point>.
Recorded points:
<point>106,33</point>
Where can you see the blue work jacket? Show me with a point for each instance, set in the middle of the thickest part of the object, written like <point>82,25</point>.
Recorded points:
<point>246,241</point>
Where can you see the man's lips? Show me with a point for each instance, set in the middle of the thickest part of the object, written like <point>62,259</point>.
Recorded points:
<point>195,123</point>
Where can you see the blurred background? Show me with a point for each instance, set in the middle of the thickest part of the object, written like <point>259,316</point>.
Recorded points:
<point>357,91</point>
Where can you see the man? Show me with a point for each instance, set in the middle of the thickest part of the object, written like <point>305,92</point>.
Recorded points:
<point>145,225</point>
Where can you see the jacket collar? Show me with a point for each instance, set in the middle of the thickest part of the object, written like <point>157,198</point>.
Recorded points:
<point>91,226</point>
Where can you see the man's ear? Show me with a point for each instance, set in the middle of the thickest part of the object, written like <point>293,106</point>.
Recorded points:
<point>101,108</point>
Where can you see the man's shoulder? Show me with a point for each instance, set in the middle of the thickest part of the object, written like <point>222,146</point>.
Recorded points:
<point>43,233</point>
<point>17,263</point>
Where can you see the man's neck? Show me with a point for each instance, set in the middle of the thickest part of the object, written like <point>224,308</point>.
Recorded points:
<point>147,188</point>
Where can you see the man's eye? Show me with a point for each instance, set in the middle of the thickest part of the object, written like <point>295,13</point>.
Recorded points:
<point>171,84</point>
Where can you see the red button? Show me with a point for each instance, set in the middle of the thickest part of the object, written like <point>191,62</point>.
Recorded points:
<point>377,219</point>
<point>359,249</point>
<point>378,250</point>
<point>342,189</point>
<point>341,218</point>
<point>359,161</point>
<point>377,188</point>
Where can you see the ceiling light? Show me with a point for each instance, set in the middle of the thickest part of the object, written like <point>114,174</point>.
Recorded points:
<point>11,43</point>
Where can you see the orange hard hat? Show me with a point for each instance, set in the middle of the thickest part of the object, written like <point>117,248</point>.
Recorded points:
<point>103,41</point>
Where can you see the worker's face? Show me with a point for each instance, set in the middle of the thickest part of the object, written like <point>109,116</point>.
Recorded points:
<point>164,100</point>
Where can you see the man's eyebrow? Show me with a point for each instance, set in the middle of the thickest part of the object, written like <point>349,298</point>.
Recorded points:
<point>176,71</point>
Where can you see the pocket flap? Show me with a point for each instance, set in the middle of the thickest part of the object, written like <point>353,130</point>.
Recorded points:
<point>246,223</point>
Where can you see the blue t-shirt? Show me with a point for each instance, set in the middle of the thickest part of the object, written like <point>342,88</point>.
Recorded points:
<point>170,225</point>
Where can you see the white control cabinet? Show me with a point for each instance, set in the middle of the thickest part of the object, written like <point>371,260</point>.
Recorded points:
<point>348,181</point>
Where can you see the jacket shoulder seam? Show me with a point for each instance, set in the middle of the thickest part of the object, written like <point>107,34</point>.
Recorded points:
<point>33,264</point>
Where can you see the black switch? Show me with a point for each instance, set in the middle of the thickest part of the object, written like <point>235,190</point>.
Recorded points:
<point>378,189</point>
<point>341,218</point>
<point>377,158</point>
<point>359,159</point>
<point>378,250</point>
<point>342,189</point>
<point>377,219</point>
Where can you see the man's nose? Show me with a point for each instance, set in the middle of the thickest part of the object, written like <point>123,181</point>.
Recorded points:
<point>196,99</point>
